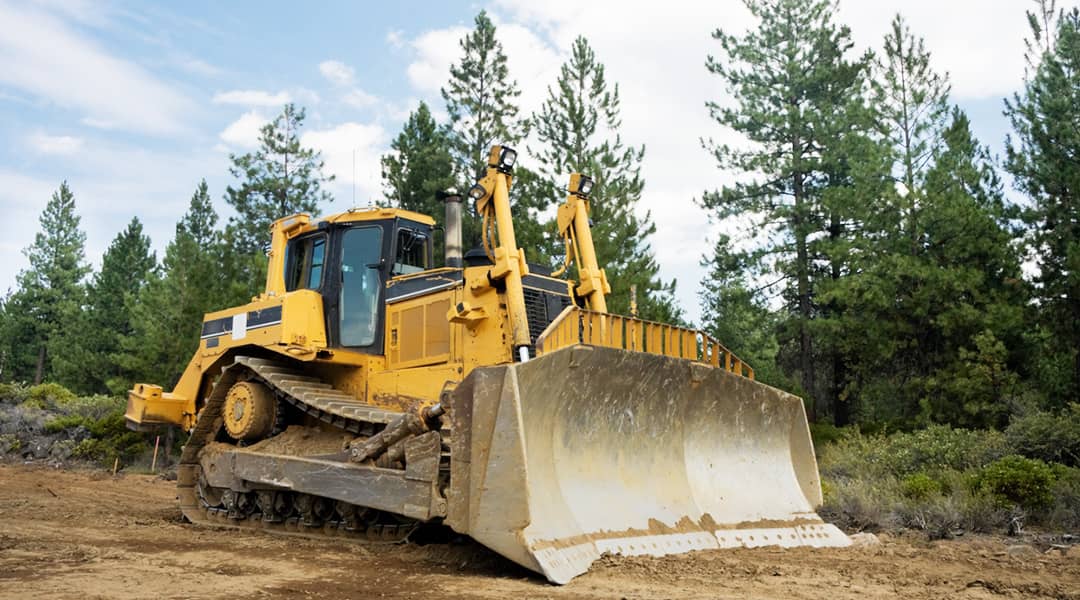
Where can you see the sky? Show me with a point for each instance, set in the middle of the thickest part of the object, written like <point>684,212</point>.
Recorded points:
<point>134,102</point>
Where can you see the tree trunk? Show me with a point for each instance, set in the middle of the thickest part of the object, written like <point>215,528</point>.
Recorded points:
<point>39,373</point>
<point>802,268</point>
<point>841,407</point>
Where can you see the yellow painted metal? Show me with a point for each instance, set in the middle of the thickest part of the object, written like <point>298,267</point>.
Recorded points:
<point>587,450</point>
<point>280,233</point>
<point>509,260</point>
<point>149,406</point>
<point>573,224</point>
<point>418,332</point>
<point>576,326</point>
<point>250,410</point>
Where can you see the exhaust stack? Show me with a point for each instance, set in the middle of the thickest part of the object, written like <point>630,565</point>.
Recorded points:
<point>453,227</point>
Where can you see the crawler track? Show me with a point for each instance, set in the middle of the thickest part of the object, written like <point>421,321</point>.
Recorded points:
<point>283,511</point>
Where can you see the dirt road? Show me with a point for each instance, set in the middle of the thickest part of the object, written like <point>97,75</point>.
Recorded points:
<point>89,535</point>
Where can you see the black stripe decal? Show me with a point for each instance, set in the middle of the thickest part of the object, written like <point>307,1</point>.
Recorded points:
<point>264,317</point>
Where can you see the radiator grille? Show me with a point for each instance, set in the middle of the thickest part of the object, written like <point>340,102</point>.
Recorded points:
<point>541,308</point>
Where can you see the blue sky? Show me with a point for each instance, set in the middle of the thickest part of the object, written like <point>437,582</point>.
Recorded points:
<point>133,103</point>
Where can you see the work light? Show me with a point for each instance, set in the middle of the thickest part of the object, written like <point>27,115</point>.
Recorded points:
<point>581,185</point>
<point>508,158</point>
<point>502,158</point>
<point>477,192</point>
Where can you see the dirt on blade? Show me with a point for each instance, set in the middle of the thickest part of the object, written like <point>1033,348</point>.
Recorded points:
<point>81,534</point>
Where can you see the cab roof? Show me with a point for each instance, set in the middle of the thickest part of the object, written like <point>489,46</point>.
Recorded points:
<point>294,225</point>
<point>376,214</point>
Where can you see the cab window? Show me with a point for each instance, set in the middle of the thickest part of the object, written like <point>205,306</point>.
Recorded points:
<point>304,261</point>
<point>361,260</point>
<point>411,254</point>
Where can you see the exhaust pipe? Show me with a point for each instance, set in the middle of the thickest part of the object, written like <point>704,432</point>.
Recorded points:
<point>453,227</point>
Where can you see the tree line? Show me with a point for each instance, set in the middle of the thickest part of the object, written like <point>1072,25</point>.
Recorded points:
<point>879,271</point>
<point>874,262</point>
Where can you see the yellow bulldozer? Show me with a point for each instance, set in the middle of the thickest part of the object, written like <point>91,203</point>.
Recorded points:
<point>366,393</point>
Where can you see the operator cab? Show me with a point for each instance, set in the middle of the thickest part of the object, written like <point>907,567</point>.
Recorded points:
<point>349,263</point>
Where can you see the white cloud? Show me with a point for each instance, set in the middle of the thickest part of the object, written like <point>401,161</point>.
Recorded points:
<point>196,66</point>
<point>358,98</point>
<point>55,144</point>
<point>337,72</point>
<point>396,38</point>
<point>244,132</point>
<point>43,57</point>
<point>252,98</point>
<point>980,43</point>
<point>435,51</point>
<point>351,152</point>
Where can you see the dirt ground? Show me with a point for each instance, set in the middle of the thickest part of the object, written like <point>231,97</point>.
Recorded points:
<point>89,535</point>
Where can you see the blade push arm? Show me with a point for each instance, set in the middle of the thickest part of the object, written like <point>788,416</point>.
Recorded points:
<point>573,222</point>
<point>492,195</point>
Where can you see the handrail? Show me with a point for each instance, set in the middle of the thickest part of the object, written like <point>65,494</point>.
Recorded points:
<point>576,325</point>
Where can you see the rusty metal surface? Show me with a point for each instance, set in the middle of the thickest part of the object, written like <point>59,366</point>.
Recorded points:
<point>591,450</point>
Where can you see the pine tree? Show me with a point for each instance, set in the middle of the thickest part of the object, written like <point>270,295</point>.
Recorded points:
<point>167,314</point>
<point>797,97</point>
<point>912,100</point>
<point>737,313</point>
<point>936,331</point>
<point>419,165</point>
<point>279,179</point>
<point>871,218</point>
<point>87,362</point>
<point>578,129</point>
<point>50,292</point>
<point>481,100</point>
<point>1042,157</point>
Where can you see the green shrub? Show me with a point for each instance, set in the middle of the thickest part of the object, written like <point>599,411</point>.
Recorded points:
<point>9,443</point>
<point>824,434</point>
<point>65,422</point>
<point>48,396</point>
<point>126,447</point>
<point>1016,481</point>
<point>859,505</point>
<point>1065,511</point>
<point>1048,436</point>
<point>980,512</point>
<point>936,448</point>
<point>13,393</point>
<point>938,516</point>
<point>920,487</point>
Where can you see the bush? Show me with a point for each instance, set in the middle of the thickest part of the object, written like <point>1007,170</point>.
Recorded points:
<point>859,505</point>
<point>1047,436</point>
<point>940,517</point>
<point>13,393</point>
<point>936,448</point>
<point>1065,511</point>
<point>920,487</point>
<point>980,512</point>
<point>824,434</point>
<point>48,396</point>
<point>9,443</point>
<point>1016,481</point>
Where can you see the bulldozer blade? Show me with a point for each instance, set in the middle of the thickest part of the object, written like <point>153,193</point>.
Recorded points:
<point>591,450</point>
